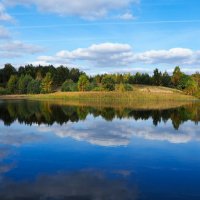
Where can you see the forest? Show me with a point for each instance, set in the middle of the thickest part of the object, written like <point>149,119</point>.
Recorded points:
<point>31,79</point>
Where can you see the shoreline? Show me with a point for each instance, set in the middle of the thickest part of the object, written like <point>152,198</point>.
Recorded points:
<point>166,95</point>
<point>135,100</point>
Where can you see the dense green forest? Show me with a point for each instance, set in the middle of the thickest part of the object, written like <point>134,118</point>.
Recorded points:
<point>31,79</point>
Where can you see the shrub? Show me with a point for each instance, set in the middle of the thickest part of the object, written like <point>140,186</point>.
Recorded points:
<point>120,87</point>
<point>3,91</point>
<point>198,93</point>
<point>98,89</point>
<point>128,87</point>
<point>108,83</point>
<point>123,87</point>
<point>69,86</point>
<point>92,86</point>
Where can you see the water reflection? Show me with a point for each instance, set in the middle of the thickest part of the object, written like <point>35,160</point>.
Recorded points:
<point>30,112</point>
<point>5,167</point>
<point>56,152</point>
<point>17,136</point>
<point>83,185</point>
<point>121,132</point>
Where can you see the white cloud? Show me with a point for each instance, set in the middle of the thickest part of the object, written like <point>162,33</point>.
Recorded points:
<point>14,49</point>
<point>122,55</point>
<point>174,55</point>
<point>4,16</point>
<point>98,54</point>
<point>84,8</point>
<point>20,46</point>
<point>126,16</point>
<point>4,33</point>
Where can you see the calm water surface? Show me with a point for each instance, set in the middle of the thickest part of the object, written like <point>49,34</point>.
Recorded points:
<point>57,152</point>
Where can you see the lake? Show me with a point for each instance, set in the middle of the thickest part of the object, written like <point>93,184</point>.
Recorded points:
<point>54,151</point>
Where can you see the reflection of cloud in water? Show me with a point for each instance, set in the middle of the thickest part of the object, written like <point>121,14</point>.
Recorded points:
<point>184,135</point>
<point>81,185</point>
<point>4,153</point>
<point>120,132</point>
<point>5,168</point>
<point>17,136</point>
<point>124,173</point>
<point>13,136</point>
<point>95,132</point>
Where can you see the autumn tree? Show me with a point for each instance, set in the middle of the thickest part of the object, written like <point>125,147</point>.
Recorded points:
<point>46,85</point>
<point>83,83</point>
<point>177,75</point>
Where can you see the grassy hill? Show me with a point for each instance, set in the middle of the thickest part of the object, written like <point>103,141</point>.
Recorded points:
<point>142,97</point>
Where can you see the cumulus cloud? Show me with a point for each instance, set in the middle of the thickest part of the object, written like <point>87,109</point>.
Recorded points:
<point>174,55</point>
<point>14,49</point>
<point>98,54</point>
<point>4,16</point>
<point>120,55</point>
<point>84,8</point>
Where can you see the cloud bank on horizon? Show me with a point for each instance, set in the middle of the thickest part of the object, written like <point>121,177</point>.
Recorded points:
<point>102,35</point>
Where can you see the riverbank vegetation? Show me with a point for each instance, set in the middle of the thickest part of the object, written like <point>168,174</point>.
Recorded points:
<point>49,79</point>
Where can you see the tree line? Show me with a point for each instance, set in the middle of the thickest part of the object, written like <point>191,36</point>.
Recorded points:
<point>31,79</point>
<point>41,112</point>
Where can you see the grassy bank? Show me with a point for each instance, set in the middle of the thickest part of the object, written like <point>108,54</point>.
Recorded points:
<point>143,97</point>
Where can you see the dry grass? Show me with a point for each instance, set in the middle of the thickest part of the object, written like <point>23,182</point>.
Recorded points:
<point>139,94</point>
<point>143,97</point>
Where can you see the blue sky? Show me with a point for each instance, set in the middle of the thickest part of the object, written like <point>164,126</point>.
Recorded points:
<point>101,35</point>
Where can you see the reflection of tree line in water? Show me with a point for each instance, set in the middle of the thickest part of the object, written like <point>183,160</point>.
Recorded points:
<point>30,112</point>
